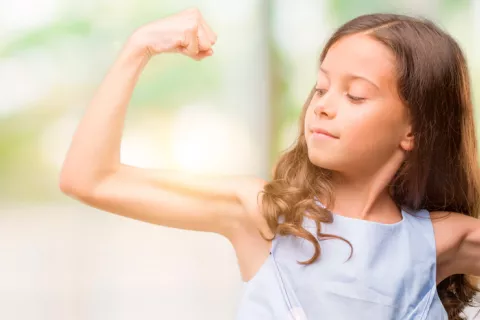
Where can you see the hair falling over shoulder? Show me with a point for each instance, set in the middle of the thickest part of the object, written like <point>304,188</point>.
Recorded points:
<point>432,76</point>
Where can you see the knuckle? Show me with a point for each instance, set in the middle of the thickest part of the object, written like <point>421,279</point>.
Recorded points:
<point>192,27</point>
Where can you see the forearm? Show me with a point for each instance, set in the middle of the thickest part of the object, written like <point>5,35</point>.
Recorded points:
<point>95,148</point>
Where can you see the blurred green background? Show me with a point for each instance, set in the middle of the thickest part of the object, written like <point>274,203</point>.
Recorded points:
<point>244,101</point>
<point>231,113</point>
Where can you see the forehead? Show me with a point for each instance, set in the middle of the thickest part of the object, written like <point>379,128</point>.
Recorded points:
<point>361,55</point>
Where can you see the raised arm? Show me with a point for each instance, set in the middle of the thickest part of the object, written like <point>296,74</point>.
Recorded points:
<point>93,174</point>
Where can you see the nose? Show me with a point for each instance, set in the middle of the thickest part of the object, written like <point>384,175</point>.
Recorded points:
<point>325,107</point>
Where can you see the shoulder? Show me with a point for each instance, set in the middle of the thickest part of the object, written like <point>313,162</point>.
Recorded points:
<point>451,228</point>
<point>250,193</point>
<point>454,232</point>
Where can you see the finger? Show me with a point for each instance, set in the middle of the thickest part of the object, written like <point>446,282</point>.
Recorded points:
<point>203,54</point>
<point>211,35</point>
<point>204,42</point>
<point>191,40</point>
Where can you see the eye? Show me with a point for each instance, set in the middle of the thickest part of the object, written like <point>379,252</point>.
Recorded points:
<point>320,92</point>
<point>355,99</point>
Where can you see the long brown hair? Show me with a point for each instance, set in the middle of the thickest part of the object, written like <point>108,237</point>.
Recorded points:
<point>439,174</point>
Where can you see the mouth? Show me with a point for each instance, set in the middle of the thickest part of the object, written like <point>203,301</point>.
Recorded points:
<point>319,132</point>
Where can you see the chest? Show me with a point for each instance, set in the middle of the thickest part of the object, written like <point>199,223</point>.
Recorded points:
<point>376,264</point>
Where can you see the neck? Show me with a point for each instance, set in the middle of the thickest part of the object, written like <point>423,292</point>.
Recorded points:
<point>365,195</point>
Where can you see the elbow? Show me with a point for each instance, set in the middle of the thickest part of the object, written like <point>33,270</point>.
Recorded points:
<point>80,184</point>
<point>66,181</point>
<point>72,187</point>
<point>66,186</point>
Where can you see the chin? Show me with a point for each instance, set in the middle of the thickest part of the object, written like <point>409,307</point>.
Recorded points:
<point>322,160</point>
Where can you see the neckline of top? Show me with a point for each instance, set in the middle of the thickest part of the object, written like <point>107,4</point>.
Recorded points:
<point>368,222</point>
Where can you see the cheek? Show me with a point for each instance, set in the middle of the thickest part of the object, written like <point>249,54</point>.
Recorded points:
<point>369,132</point>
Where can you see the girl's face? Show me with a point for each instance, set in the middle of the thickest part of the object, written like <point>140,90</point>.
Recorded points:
<point>356,120</point>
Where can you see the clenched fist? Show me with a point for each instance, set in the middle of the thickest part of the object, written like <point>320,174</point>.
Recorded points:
<point>185,32</point>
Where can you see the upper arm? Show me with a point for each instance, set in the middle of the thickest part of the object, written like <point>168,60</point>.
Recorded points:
<point>219,204</point>
<point>458,243</point>
<point>469,251</point>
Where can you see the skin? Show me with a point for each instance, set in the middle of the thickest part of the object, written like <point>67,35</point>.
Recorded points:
<point>358,103</point>
<point>372,138</point>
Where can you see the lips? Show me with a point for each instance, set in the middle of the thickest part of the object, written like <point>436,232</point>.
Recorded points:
<point>320,131</point>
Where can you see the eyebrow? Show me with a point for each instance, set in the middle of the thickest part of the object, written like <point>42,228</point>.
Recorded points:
<point>354,76</point>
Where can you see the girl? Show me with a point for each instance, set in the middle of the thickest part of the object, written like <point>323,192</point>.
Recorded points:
<point>371,214</point>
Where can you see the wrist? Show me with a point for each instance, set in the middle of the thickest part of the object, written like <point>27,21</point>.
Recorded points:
<point>135,50</point>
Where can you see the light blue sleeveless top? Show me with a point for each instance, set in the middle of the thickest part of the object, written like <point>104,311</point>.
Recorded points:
<point>391,274</point>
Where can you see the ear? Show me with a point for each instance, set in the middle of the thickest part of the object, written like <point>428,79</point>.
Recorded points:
<point>408,142</point>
